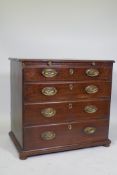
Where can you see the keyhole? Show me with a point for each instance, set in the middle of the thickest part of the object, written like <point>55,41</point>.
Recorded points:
<point>69,127</point>
<point>70,105</point>
<point>70,86</point>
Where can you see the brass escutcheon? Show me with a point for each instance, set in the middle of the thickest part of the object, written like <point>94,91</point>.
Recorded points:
<point>49,63</point>
<point>48,135</point>
<point>93,63</point>
<point>49,91</point>
<point>49,73</point>
<point>90,109</point>
<point>70,105</point>
<point>48,112</point>
<point>71,71</point>
<point>69,126</point>
<point>91,89</point>
<point>89,130</point>
<point>70,86</point>
<point>92,72</point>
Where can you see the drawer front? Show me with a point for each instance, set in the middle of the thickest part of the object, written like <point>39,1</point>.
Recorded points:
<point>35,92</point>
<point>68,111</point>
<point>66,134</point>
<point>67,74</point>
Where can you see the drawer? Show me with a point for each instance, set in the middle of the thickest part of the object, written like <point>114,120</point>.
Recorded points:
<point>43,137</point>
<point>38,92</point>
<point>46,113</point>
<point>67,73</point>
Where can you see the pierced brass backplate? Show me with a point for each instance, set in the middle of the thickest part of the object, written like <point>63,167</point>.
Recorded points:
<point>49,91</point>
<point>49,73</point>
<point>48,135</point>
<point>48,112</point>
<point>89,130</point>
<point>92,72</point>
<point>90,109</point>
<point>91,89</point>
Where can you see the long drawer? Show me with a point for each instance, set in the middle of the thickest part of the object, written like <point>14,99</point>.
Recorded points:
<point>39,92</point>
<point>42,137</point>
<point>66,111</point>
<point>67,73</point>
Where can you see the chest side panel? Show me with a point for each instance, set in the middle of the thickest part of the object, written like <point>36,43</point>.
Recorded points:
<point>16,100</point>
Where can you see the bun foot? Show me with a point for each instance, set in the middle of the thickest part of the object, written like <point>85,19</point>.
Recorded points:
<point>22,156</point>
<point>107,144</point>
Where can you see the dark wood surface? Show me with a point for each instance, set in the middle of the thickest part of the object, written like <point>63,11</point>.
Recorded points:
<point>27,101</point>
<point>60,60</point>
<point>63,73</point>
<point>16,100</point>
<point>33,116</point>
<point>33,91</point>
<point>23,154</point>
<point>64,136</point>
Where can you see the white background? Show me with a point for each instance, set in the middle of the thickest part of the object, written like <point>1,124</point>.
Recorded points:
<point>79,29</point>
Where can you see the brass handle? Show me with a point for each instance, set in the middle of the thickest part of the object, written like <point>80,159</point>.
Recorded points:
<point>91,89</point>
<point>71,71</point>
<point>49,73</point>
<point>48,135</point>
<point>89,130</point>
<point>49,91</point>
<point>48,112</point>
<point>90,109</point>
<point>92,72</point>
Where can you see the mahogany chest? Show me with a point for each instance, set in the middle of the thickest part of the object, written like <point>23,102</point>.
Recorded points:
<point>59,105</point>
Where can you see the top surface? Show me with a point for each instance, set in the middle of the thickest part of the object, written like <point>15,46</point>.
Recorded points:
<point>60,60</point>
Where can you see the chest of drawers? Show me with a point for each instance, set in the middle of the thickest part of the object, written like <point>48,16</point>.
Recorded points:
<point>59,105</point>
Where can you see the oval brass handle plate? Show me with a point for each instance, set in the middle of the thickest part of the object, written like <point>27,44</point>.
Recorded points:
<point>48,112</point>
<point>92,72</point>
<point>91,89</point>
<point>49,73</point>
<point>89,130</point>
<point>90,109</point>
<point>48,135</point>
<point>49,91</point>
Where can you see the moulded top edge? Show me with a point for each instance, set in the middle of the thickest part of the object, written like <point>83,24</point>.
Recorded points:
<point>58,60</point>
